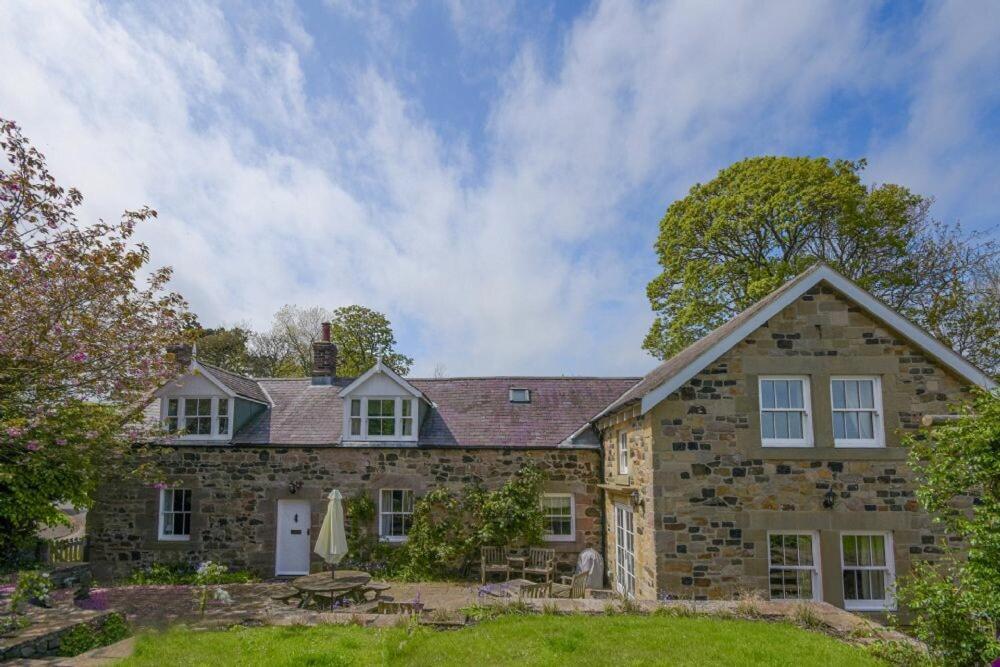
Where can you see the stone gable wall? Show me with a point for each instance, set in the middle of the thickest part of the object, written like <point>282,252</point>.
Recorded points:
<point>235,490</point>
<point>717,492</point>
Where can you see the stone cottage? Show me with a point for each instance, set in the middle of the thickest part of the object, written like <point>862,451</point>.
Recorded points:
<point>767,455</point>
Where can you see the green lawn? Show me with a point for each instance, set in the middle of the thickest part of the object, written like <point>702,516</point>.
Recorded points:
<point>521,640</point>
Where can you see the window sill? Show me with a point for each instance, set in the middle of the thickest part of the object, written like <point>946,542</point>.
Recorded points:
<point>393,539</point>
<point>559,538</point>
<point>174,538</point>
<point>869,606</point>
<point>829,453</point>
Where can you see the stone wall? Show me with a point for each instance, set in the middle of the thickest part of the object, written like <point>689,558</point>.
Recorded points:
<point>235,490</point>
<point>717,492</point>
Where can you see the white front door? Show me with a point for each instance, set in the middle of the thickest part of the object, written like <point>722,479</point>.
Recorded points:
<point>292,550</point>
<point>624,551</point>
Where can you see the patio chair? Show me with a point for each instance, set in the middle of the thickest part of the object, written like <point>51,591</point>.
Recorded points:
<point>493,559</point>
<point>574,588</point>
<point>535,591</point>
<point>541,562</point>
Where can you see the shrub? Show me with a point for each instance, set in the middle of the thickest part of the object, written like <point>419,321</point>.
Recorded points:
<point>31,585</point>
<point>85,636</point>
<point>900,654</point>
<point>806,617</point>
<point>181,573</point>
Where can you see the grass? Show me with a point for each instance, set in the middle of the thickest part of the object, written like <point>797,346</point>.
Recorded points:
<point>521,640</point>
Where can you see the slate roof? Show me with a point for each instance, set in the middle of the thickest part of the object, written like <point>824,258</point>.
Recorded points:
<point>468,412</point>
<point>239,384</point>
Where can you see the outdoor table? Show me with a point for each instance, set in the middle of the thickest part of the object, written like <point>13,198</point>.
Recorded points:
<point>344,583</point>
<point>506,589</point>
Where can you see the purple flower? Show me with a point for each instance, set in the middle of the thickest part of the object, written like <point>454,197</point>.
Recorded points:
<point>33,446</point>
<point>61,441</point>
<point>159,486</point>
<point>78,356</point>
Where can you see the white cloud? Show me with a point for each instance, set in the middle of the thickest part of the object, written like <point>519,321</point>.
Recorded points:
<point>271,195</point>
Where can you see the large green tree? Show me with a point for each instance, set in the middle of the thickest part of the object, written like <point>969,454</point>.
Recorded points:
<point>361,335</point>
<point>82,340</point>
<point>760,221</point>
<point>956,600</point>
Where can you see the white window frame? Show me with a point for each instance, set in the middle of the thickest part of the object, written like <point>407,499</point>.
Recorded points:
<point>816,568</point>
<point>878,427</point>
<point>382,512</point>
<point>625,579</point>
<point>397,414</point>
<point>623,453</point>
<point>215,433</point>
<point>889,602</point>
<point>162,511</point>
<point>807,428</point>
<point>551,537</point>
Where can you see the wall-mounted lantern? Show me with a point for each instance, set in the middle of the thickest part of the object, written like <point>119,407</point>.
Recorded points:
<point>829,499</point>
<point>637,500</point>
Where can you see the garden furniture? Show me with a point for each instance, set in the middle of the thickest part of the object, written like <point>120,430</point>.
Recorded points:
<point>516,559</point>
<point>493,559</point>
<point>321,585</point>
<point>285,594</point>
<point>541,562</point>
<point>377,588</point>
<point>574,587</point>
<point>505,589</point>
<point>535,591</point>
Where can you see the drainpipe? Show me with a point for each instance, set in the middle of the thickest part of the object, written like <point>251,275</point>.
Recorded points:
<point>604,508</point>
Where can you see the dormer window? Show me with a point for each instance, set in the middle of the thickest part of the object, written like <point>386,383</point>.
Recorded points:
<point>199,417</point>
<point>520,396</point>
<point>381,418</point>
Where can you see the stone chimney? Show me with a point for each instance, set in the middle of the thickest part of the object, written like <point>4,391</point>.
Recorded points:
<point>324,358</point>
<point>182,354</point>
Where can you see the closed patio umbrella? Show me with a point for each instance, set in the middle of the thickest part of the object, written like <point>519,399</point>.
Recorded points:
<point>331,545</point>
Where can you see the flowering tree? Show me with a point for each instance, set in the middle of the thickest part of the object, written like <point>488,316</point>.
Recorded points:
<point>81,341</point>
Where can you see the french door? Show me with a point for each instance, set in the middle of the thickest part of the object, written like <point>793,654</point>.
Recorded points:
<point>624,551</point>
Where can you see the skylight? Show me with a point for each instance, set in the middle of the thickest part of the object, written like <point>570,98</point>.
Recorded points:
<point>520,396</point>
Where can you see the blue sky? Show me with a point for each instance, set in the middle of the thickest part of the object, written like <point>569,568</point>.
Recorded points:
<point>491,175</point>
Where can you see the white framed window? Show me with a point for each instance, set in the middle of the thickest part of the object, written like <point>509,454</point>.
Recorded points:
<point>198,417</point>
<point>395,514</point>
<point>520,396</point>
<point>175,514</point>
<point>793,566</point>
<point>623,453</point>
<point>785,414</point>
<point>560,517</point>
<point>869,570</point>
<point>856,404</point>
<point>381,418</point>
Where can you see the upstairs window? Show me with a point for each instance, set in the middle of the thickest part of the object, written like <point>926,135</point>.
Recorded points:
<point>381,416</point>
<point>857,412</point>
<point>395,514</point>
<point>785,419</point>
<point>198,416</point>
<point>520,396</point>
<point>202,417</point>
<point>175,514</point>
<point>623,453</point>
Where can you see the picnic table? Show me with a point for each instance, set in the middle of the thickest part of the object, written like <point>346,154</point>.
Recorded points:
<point>322,584</point>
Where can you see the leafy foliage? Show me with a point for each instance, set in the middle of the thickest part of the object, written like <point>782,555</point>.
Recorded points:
<point>365,551</point>
<point>184,573</point>
<point>82,340</point>
<point>31,585</point>
<point>449,528</point>
<point>957,601</point>
<point>361,335</point>
<point>761,221</point>
<point>86,636</point>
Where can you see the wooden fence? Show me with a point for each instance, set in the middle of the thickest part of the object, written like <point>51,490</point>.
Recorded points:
<point>67,550</point>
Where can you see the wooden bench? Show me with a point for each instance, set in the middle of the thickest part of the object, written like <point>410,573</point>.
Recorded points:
<point>377,589</point>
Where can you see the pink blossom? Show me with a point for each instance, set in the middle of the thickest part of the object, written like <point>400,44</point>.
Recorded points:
<point>61,441</point>
<point>33,446</point>
<point>159,486</point>
<point>78,356</point>
<point>91,435</point>
<point>14,432</point>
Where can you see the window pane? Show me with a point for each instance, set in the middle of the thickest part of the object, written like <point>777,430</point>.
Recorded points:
<point>805,550</point>
<point>223,406</point>
<point>878,549</point>
<point>851,425</point>
<point>839,425</point>
<point>850,550</point>
<point>781,394</point>
<point>355,407</point>
<point>406,406</point>
<point>795,425</point>
<point>851,393</point>
<point>865,426</point>
<point>172,407</point>
<point>767,424</point>
<point>867,398</point>
<point>837,388</point>
<point>781,425</point>
<point>767,393</point>
<point>795,394</point>
<point>408,426</point>
<point>776,551</point>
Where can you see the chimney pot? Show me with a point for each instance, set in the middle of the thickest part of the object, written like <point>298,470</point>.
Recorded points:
<point>326,332</point>
<point>182,355</point>
<point>324,358</point>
